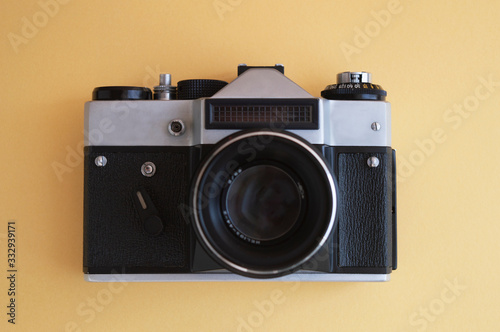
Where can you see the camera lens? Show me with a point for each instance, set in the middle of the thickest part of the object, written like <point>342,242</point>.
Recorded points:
<point>263,202</point>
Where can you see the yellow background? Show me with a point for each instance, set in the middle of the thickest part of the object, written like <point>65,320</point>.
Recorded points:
<point>428,55</point>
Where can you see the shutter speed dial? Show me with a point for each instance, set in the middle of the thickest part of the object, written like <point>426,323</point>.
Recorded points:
<point>354,86</point>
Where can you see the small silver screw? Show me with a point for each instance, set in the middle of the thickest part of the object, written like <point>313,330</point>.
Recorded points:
<point>101,161</point>
<point>373,162</point>
<point>376,126</point>
<point>148,169</point>
<point>176,127</point>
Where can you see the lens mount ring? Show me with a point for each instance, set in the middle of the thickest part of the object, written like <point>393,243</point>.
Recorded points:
<point>322,230</point>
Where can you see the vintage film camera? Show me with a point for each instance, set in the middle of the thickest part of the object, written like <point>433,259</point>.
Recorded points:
<point>256,179</point>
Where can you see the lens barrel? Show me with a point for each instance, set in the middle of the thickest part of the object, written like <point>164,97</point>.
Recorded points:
<point>264,203</point>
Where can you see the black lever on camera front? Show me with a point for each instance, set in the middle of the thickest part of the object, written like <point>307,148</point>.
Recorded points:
<point>151,222</point>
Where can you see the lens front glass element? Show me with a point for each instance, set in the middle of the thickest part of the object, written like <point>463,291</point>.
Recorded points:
<point>263,202</point>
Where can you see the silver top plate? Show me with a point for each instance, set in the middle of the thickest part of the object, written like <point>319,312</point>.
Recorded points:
<point>145,123</point>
